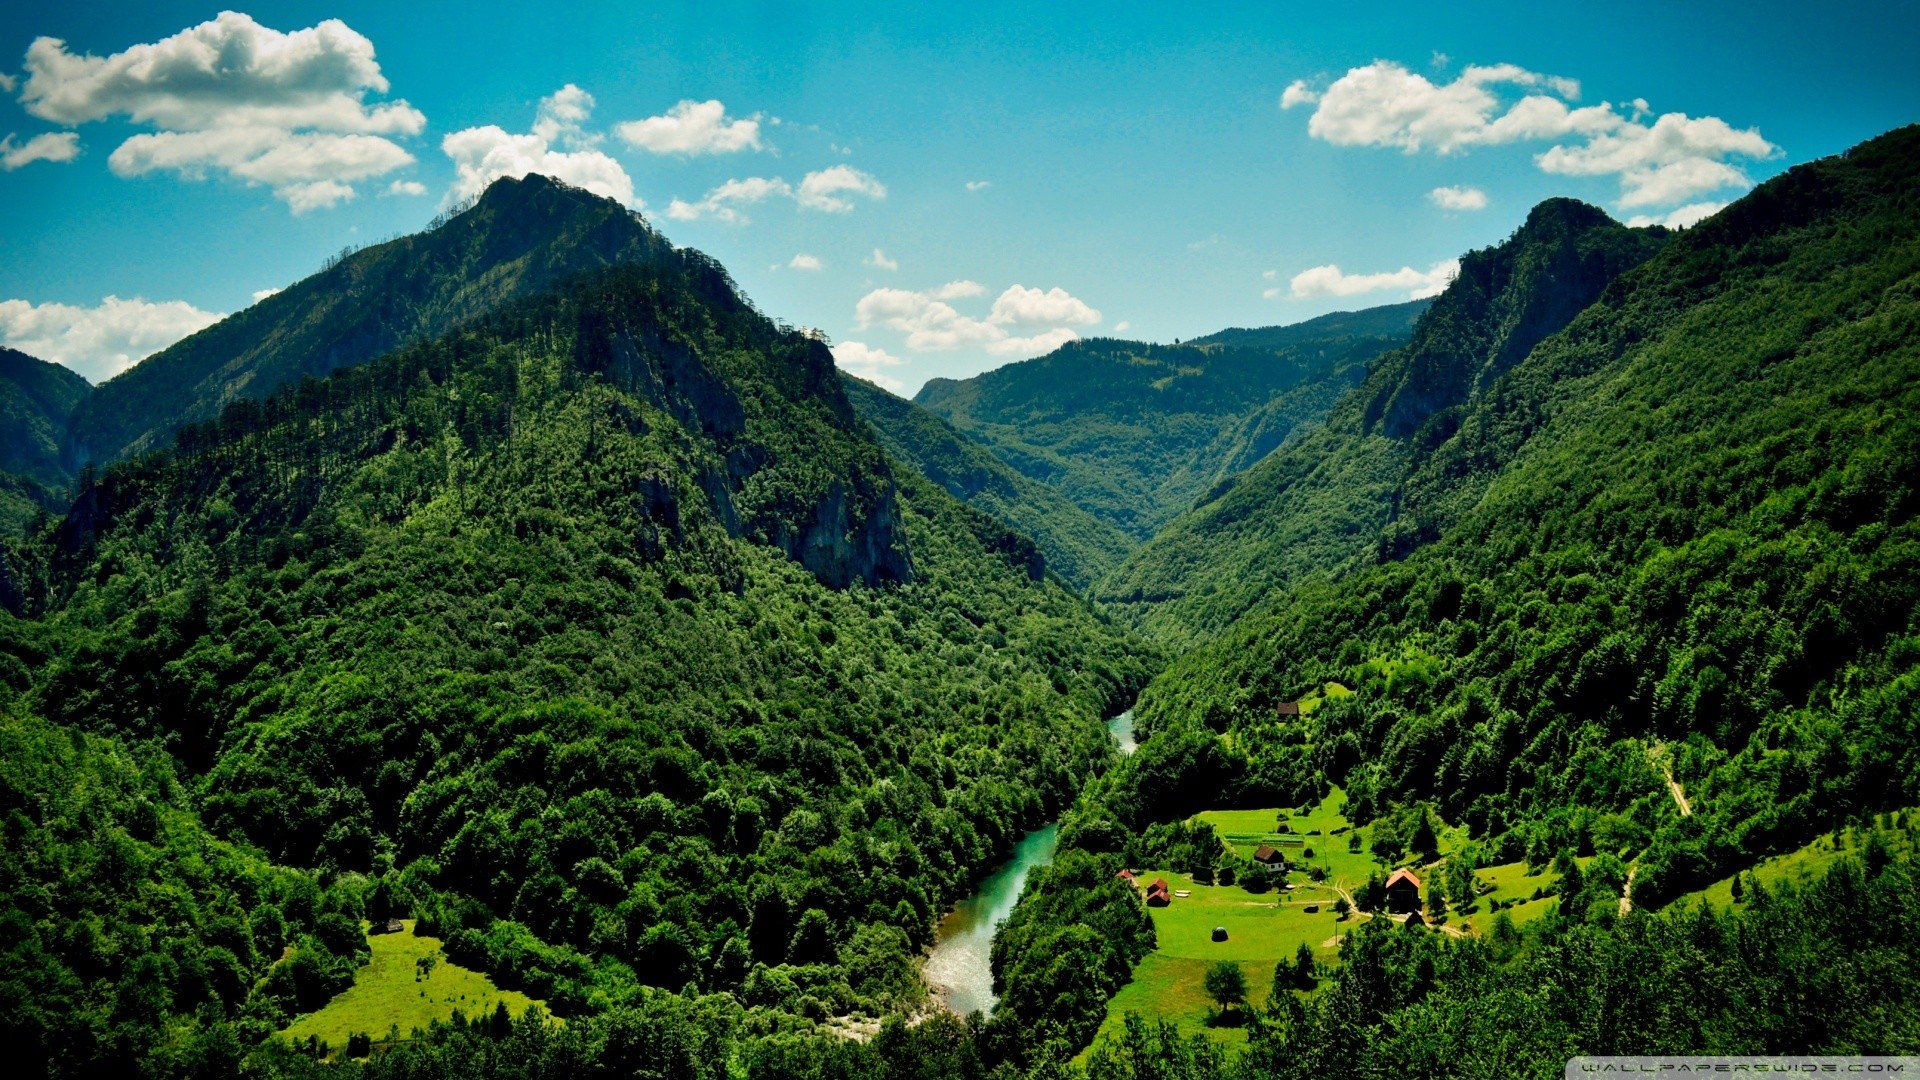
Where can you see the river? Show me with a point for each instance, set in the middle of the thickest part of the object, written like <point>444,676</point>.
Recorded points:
<point>960,969</point>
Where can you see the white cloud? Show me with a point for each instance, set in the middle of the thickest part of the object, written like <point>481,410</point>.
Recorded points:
<point>288,110</point>
<point>879,261</point>
<point>99,342</point>
<point>484,154</point>
<point>868,363</point>
<point>958,290</point>
<point>561,114</point>
<point>930,323</point>
<point>817,191</point>
<point>804,261</point>
<point>406,187</point>
<point>1038,344</point>
<point>1330,280</point>
<point>307,170</point>
<point>1022,306</point>
<point>724,201</point>
<point>1298,92</point>
<point>822,190</point>
<point>6,83</point>
<point>262,294</point>
<point>50,146</point>
<point>1677,158</point>
<point>979,185</point>
<point>1458,198</point>
<point>1684,217</point>
<point>1674,158</point>
<point>692,127</point>
<point>1121,326</point>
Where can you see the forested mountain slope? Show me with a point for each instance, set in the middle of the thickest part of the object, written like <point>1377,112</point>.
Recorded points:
<point>1323,498</point>
<point>598,633</point>
<point>520,237</point>
<point>1077,545</point>
<point>1133,432</point>
<point>1679,536</point>
<point>36,398</point>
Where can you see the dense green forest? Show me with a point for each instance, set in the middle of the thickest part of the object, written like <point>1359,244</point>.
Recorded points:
<point>1133,433</point>
<point>549,632</point>
<point>1309,509</point>
<point>1078,546</point>
<point>36,399</point>
<point>1679,537</point>
<point>578,610</point>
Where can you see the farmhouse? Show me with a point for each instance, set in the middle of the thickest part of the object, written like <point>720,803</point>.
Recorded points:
<point>1157,895</point>
<point>1127,876</point>
<point>1403,892</point>
<point>1269,856</point>
<point>1287,708</point>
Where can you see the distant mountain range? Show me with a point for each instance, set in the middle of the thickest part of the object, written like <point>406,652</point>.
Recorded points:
<point>1134,432</point>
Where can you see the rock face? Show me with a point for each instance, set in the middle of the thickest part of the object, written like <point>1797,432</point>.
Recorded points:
<point>852,539</point>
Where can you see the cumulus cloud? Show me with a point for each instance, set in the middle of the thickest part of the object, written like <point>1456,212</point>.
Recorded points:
<point>1022,306</point>
<point>99,342</point>
<point>406,187</point>
<point>692,127</point>
<point>803,261</point>
<point>484,154</point>
<point>1330,280</point>
<point>725,201</point>
<point>979,185</point>
<point>262,294</point>
<point>1458,198</point>
<point>823,190</point>
<point>288,110</point>
<point>868,363</point>
<point>931,323</point>
<point>1684,217</point>
<point>1298,92</point>
<point>1675,157</point>
<point>51,146</point>
<point>879,261</point>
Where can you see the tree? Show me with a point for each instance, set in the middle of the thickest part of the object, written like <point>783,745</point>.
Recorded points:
<point>1424,843</point>
<point>1342,908</point>
<point>1226,984</point>
<point>1736,889</point>
<point>1303,967</point>
<point>1372,895</point>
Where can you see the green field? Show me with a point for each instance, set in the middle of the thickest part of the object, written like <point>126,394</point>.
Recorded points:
<point>1807,864</point>
<point>389,993</point>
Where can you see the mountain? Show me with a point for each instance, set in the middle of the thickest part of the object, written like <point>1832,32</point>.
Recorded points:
<point>520,237</point>
<point>36,399</point>
<point>1077,546</point>
<point>598,633</point>
<point>1133,432</point>
<point>1323,498</point>
<point>1648,585</point>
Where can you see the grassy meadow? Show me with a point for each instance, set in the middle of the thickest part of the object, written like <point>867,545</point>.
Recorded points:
<point>392,996</point>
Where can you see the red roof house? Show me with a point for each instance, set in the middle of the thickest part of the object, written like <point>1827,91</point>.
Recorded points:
<point>1403,892</point>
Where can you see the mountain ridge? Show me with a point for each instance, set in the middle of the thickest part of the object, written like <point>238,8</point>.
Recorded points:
<point>519,236</point>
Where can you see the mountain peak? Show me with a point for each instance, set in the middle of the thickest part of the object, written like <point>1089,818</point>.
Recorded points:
<point>519,237</point>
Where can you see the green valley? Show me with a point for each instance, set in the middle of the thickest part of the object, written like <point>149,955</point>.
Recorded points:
<point>509,652</point>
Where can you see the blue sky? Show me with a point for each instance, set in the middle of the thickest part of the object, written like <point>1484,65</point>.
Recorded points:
<point>1130,169</point>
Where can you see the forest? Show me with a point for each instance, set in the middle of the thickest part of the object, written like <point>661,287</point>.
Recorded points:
<point>595,624</point>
